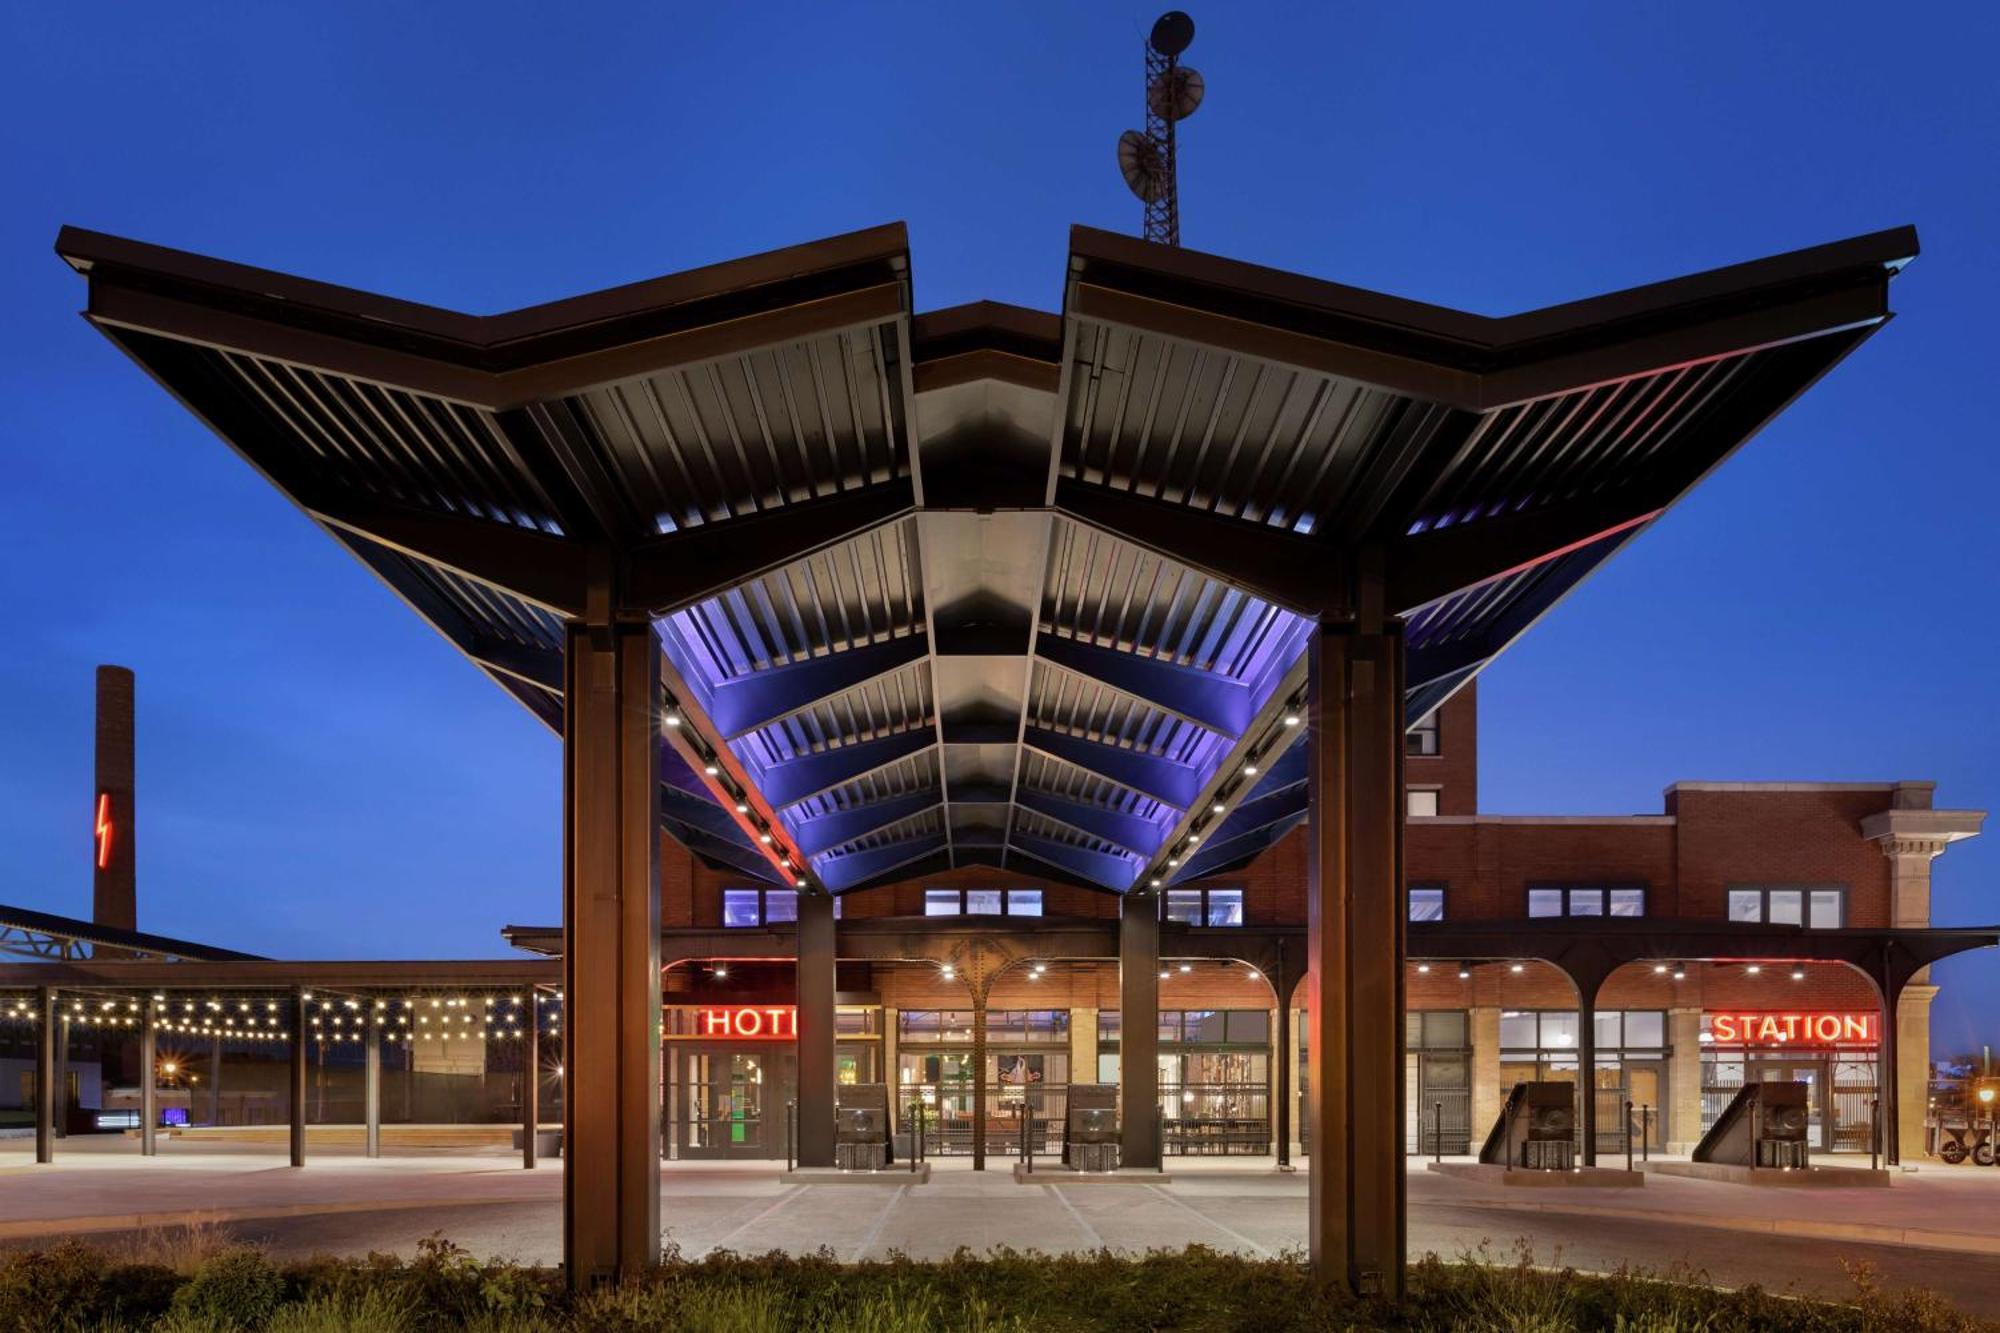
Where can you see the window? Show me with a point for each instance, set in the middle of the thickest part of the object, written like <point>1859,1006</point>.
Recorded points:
<point>1422,739</point>
<point>1436,1030</point>
<point>1557,1030</point>
<point>1203,907</point>
<point>982,902</point>
<point>1587,902</point>
<point>1420,802</point>
<point>1816,909</point>
<point>760,907</point>
<point>1427,902</point>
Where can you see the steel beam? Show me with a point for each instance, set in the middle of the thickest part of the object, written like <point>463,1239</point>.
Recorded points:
<point>1442,561</point>
<point>45,1076</point>
<point>298,1078</point>
<point>815,974</point>
<point>531,1082</point>
<point>792,780</point>
<point>535,566</point>
<point>371,1083</point>
<point>1142,837</point>
<point>1205,698</point>
<point>1273,564</point>
<point>1139,1030</point>
<point>828,831</point>
<point>666,574</point>
<point>149,1082</point>
<point>1355,918</point>
<point>845,872</point>
<point>746,703</point>
<point>1137,771</point>
<point>611,962</point>
<point>1103,868</point>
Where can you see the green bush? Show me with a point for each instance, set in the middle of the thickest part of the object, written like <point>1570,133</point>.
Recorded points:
<point>234,1289</point>
<point>74,1289</point>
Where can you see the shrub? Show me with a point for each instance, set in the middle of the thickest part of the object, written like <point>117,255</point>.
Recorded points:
<point>233,1289</point>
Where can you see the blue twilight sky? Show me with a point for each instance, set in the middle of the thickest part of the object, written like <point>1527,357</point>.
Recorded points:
<point>321,774</point>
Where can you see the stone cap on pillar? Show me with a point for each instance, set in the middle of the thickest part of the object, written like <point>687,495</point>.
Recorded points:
<point>1902,831</point>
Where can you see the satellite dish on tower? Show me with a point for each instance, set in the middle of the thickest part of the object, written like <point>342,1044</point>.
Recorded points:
<point>1140,162</point>
<point>1147,158</point>
<point>1173,33</point>
<point>1175,94</point>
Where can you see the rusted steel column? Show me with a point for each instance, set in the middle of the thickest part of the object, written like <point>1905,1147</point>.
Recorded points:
<point>1281,1070</point>
<point>371,1083</point>
<point>45,1076</point>
<point>815,974</point>
<point>611,952</point>
<point>1888,1086</point>
<point>298,1079</point>
<point>1139,1030</point>
<point>1586,1065</point>
<point>531,1081</point>
<point>1355,940</point>
<point>149,1080</point>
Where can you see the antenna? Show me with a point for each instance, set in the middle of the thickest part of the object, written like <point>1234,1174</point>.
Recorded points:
<point>1147,158</point>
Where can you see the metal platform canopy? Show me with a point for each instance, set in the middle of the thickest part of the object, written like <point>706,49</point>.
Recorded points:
<point>838,595</point>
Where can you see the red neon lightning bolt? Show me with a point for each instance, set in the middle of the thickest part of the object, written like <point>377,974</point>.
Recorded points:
<point>103,830</point>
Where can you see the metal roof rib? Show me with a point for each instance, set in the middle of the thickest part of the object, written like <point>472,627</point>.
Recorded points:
<point>1062,642</point>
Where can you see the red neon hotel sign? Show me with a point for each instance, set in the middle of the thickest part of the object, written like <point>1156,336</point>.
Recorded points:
<point>1774,1029</point>
<point>768,1022</point>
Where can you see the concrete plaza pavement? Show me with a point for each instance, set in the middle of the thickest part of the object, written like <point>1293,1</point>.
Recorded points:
<point>1927,1230</point>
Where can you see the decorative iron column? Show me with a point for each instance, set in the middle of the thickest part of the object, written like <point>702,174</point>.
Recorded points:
<point>611,951</point>
<point>980,990</point>
<point>1355,940</point>
<point>816,1038</point>
<point>1139,1030</point>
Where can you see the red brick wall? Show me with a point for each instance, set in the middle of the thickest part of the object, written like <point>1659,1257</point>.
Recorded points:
<point>1719,839</point>
<point>1454,769</point>
<point>1804,837</point>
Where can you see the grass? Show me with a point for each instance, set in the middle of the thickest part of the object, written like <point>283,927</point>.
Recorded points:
<point>195,1280</point>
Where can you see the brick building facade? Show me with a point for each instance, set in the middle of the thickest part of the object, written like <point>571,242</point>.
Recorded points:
<point>1823,855</point>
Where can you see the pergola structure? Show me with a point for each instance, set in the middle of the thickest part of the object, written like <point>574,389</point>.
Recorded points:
<point>838,594</point>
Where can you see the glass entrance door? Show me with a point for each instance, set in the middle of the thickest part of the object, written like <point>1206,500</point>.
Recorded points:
<point>728,1104</point>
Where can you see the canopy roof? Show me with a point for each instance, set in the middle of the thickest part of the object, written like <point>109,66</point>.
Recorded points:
<point>987,585</point>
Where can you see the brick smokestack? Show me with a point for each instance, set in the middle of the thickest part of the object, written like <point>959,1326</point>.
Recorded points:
<point>113,848</point>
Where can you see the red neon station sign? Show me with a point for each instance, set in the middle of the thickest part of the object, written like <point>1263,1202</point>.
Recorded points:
<point>766,1022</point>
<point>1795,1029</point>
